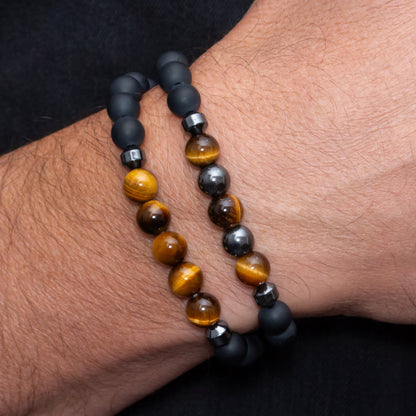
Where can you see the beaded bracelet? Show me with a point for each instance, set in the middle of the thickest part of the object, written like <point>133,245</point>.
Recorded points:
<point>153,217</point>
<point>225,211</point>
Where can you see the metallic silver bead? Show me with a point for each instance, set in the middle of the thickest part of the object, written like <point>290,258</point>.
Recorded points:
<point>133,158</point>
<point>195,123</point>
<point>266,294</point>
<point>219,334</point>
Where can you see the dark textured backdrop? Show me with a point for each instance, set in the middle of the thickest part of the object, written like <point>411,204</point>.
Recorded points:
<point>56,61</point>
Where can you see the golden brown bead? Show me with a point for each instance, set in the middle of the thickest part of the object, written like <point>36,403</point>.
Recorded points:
<point>225,211</point>
<point>253,268</point>
<point>202,150</point>
<point>153,217</point>
<point>140,185</point>
<point>169,248</point>
<point>203,309</point>
<point>185,279</point>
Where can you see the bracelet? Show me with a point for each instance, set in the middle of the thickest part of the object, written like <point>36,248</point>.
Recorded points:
<point>225,211</point>
<point>153,217</point>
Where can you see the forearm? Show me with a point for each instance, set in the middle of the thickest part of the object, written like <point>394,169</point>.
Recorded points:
<point>87,317</point>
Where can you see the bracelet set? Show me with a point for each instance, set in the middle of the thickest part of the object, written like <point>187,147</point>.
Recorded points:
<point>185,279</point>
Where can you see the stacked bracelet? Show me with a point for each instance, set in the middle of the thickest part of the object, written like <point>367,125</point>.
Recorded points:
<point>202,150</point>
<point>153,217</point>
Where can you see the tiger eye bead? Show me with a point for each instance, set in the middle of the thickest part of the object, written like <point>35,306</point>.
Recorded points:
<point>169,248</point>
<point>153,217</point>
<point>253,268</point>
<point>202,150</point>
<point>203,309</point>
<point>185,279</point>
<point>225,211</point>
<point>140,185</point>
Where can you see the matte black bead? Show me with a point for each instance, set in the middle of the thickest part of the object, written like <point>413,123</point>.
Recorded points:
<point>219,334</point>
<point>266,294</point>
<point>170,56</point>
<point>238,240</point>
<point>133,157</point>
<point>276,319</point>
<point>141,79</point>
<point>126,85</point>
<point>234,352</point>
<point>127,131</point>
<point>184,99</point>
<point>195,123</point>
<point>174,73</point>
<point>285,338</point>
<point>214,180</point>
<point>255,349</point>
<point>122,105</point>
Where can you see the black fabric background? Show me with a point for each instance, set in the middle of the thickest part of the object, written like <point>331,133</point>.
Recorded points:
<point>56,62</point>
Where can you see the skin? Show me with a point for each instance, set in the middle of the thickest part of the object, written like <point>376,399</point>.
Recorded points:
<point>313,106</point>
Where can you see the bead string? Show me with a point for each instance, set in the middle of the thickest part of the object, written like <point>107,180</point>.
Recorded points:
<point>153,217</point>
<point>225,211</point>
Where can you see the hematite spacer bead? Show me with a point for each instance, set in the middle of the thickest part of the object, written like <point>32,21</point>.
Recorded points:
<point>133,157</point>
<point>127,131</point>
<point>238,240</point>
<point>174,73</point>
<point>219,334</point>
<point>170,56</point>
<point>214,180</point>
<point>184,99</point>
<point>285,338</point>
<point>234,352</point>
<point>276,319</point>
<point>195,123</point>
<point>122,105</point>
<point>266,294</point>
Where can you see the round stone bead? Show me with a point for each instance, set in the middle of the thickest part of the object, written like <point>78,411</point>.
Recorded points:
<point>183,100</point>
<point>234,352</point>
<point>194,123</point>
<point>225,211</point>
<point>202,150</point>
<point>127,131</point>
<point>238,240</point>
<point>276,319</point>
<point>285,338</point>
<point>153,217</point>
<point>140,185</point>
<point>203,309</point>
<point>174,73</point>
<point>255,349</point>
<point>185,279</point>
<point>133,157</point>
<point>141,79</point>
<point>214,180</point>
<point>253,268</point>
<point>126,85</point>
<point>266,294</point>
<point>219,334</point>
<point>170,56</point>
<point>122,105</point>
<point>169,248</point>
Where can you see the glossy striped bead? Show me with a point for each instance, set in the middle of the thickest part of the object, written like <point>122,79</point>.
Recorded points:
<point>153,217</point>
<point>203,309</point>
<point>185,279</point>
<point>140,185</point>
<point>253,268</point>
<point>202,150</point>
<point>169,248</point>
<point>225,211</point>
